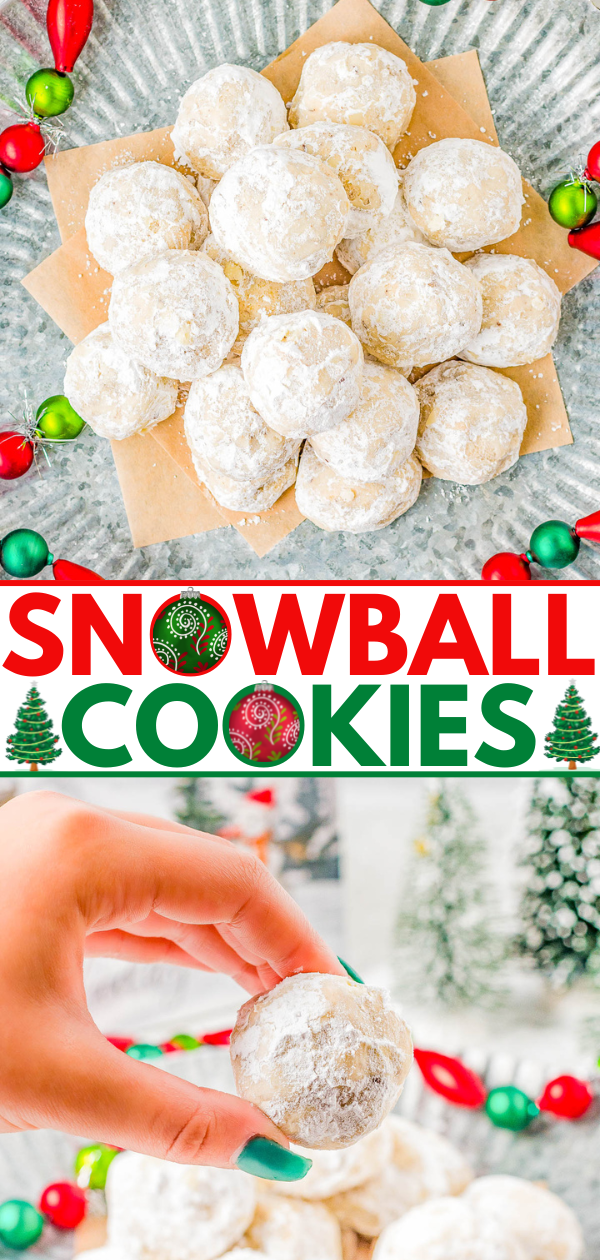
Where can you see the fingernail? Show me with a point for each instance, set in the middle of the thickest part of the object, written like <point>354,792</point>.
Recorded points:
<point>263,1158</point>
<point>351,972</point>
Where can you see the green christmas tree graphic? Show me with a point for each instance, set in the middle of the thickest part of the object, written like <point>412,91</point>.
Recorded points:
<point>33,741</point>
<point>571,740</point>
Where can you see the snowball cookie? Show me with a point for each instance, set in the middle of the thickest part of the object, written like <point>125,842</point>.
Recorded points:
<point>521,311</point>
<point>223,115</point>
<point>423,1165</point>
<point>413,305</point>
<point>333,300</point>
<point>246,496</point>
<point>324,1057</point>
<point>472,422</point>
<point>280,213</point>
<point>464,194</point>
<point>335,502</point>
<point>223,429</point>
<point>333,1172</point>
<point>294,1230</point>
<point>395,229</point>
<point>110,391</point>
<point>142,209</point>
<point>176,313</point>
<point>364,165</point>
<point>157,1209</point>
<point>258,297</point>
<point>303,372</point>
<point>360,84</point>
<point>448,1228</point>
<point>543,1225</point>
<point>376,439</point>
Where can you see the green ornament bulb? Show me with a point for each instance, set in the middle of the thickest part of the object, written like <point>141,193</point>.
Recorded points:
<point>56,420</point>
<point>23,553</point>
<point>92,1164</point>
<point>6,188</point>
<point>554,545</point>
<point>509,1108</point>
<point>572,204</point>
<point>184,1041</point>
<point>49,92</point>
<point>20,1224</point>
<point>435,3</point>
<point>144,1052</point>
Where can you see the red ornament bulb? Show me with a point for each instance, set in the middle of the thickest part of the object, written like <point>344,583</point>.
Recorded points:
<point>586,240</point>
<point>506,566</point>
<point>64,1204</point>
<point>566,1097</point>
<point>66,571</point>
<point>592,170</point>
<point>589,527</point>
<point>450,1078</point>
<point>16,454</point>
<point>22,147</point>
<point>120,1043</point>
<point>221,1038</point>
<point>69,23</point>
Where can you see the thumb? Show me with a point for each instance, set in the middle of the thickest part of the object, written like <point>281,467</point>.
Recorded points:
<point>95,1089</point>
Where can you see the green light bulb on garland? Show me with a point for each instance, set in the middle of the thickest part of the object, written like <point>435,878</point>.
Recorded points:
<point>145,1053</point>
<point>572,203</point>
<point>554,545</point>
<point>435,3</point>
<point>49,92</point>
<point>20,1224</point>
<point>509,1108</point>
<point>184,1041</point>
<point>56,421</point>
<point>92,1164</point>
<point>23,553</point>
<point>6,188</point>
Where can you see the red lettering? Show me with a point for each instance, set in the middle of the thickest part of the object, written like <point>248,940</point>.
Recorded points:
<point>52,648</point>
<point>126,653</point>
<point>558,661</point>
<point>448,611</point>
<point>312,658</point>
<point>362,634</point>
<point>504,661</point>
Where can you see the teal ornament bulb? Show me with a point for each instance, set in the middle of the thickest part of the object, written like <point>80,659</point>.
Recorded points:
<point>49,92</point>
<point>20,1224</point>
<point>434,4</point>
<point>144,1052</point>
<point>509,1108</point>
<point>553,545</point>
<point>23,553</point>
<point>6,187</point>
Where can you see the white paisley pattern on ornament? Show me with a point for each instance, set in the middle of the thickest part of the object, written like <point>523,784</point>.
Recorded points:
<point>186,619</point>
<point>262,712</point>
<point>166,654</point>
<point>218,644</point>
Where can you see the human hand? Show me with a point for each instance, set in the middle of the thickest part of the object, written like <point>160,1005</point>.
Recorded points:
<point>76,880</point>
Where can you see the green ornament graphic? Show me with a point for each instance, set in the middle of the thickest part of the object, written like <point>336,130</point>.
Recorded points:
<point>553,544</point>
<point>6,188</point>
<point>49,92</point>
<point>190,634</point>
<point>509,1108</point>
<point>572,204</point>
<point>92,1164</point>
<point>20,1224</point>
<point>144,1052</point>
<point>56,421</point>
<point>23,553</point>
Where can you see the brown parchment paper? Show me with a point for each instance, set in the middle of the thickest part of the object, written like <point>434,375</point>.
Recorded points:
<point>451,101</point>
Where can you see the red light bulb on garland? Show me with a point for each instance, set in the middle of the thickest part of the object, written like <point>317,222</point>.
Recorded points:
<point>566,1097</point>
<point>506,566</point>
<point>592,170</point>
<point>66,571</point>
<point>121,1043</point>
<point>64,1204</point>
<point>450,1078</point>
<point>22,147</point>
<point>221,1038</point>
<point>16,454</point>
<point>587,240</point>
<point>69,23</point>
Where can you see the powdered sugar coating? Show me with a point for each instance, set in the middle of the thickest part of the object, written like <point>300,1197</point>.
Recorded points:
<point>206,188</point>
<point>361,84</point>
<point>521,311</point>
<point>464,194</point>
<point>256,297</point>
<point>541,1222</point>
<point>362,162</point>
<point>176,313</point>
<point>142,209</point>
<point>335,1171</point>
<point>303,372</point>
<point>290,1229</point>
<point>163,1211</point>
<point>395,229</point>
<point>472,422</point>
<point>335,502</point>
<point>413,305</point>
<point>423,1165</point>
<point>447,1229</point>
<point>279,213</point>
<point>113,393</point>
<point>223,115</point>
<point>224,429</point>
<point>246,496</point>
<point>333,300</point>
<point>324,1057</point>
<point>377,437</point>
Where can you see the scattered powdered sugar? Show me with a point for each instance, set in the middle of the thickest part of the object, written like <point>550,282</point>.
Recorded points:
<point>362,162</point>
<point>335,502</point>
<point>521,311</point>
<point>472,422</point>
<point>361,84</point>
<point>113,393</point>
<point>142,209</point>
<point>464,194</point>
<point>223,115</point>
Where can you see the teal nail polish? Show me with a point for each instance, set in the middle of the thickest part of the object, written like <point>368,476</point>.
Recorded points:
<point>351,972</point>
<point>263,1158</point>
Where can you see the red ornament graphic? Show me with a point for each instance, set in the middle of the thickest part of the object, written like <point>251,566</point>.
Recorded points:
<point>450,1078</point>
<point>566,1097</point>
<point>264,724</point>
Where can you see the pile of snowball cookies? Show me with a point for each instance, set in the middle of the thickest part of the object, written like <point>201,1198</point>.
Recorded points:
<point>326,1058</point>
<point>214,285</point>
